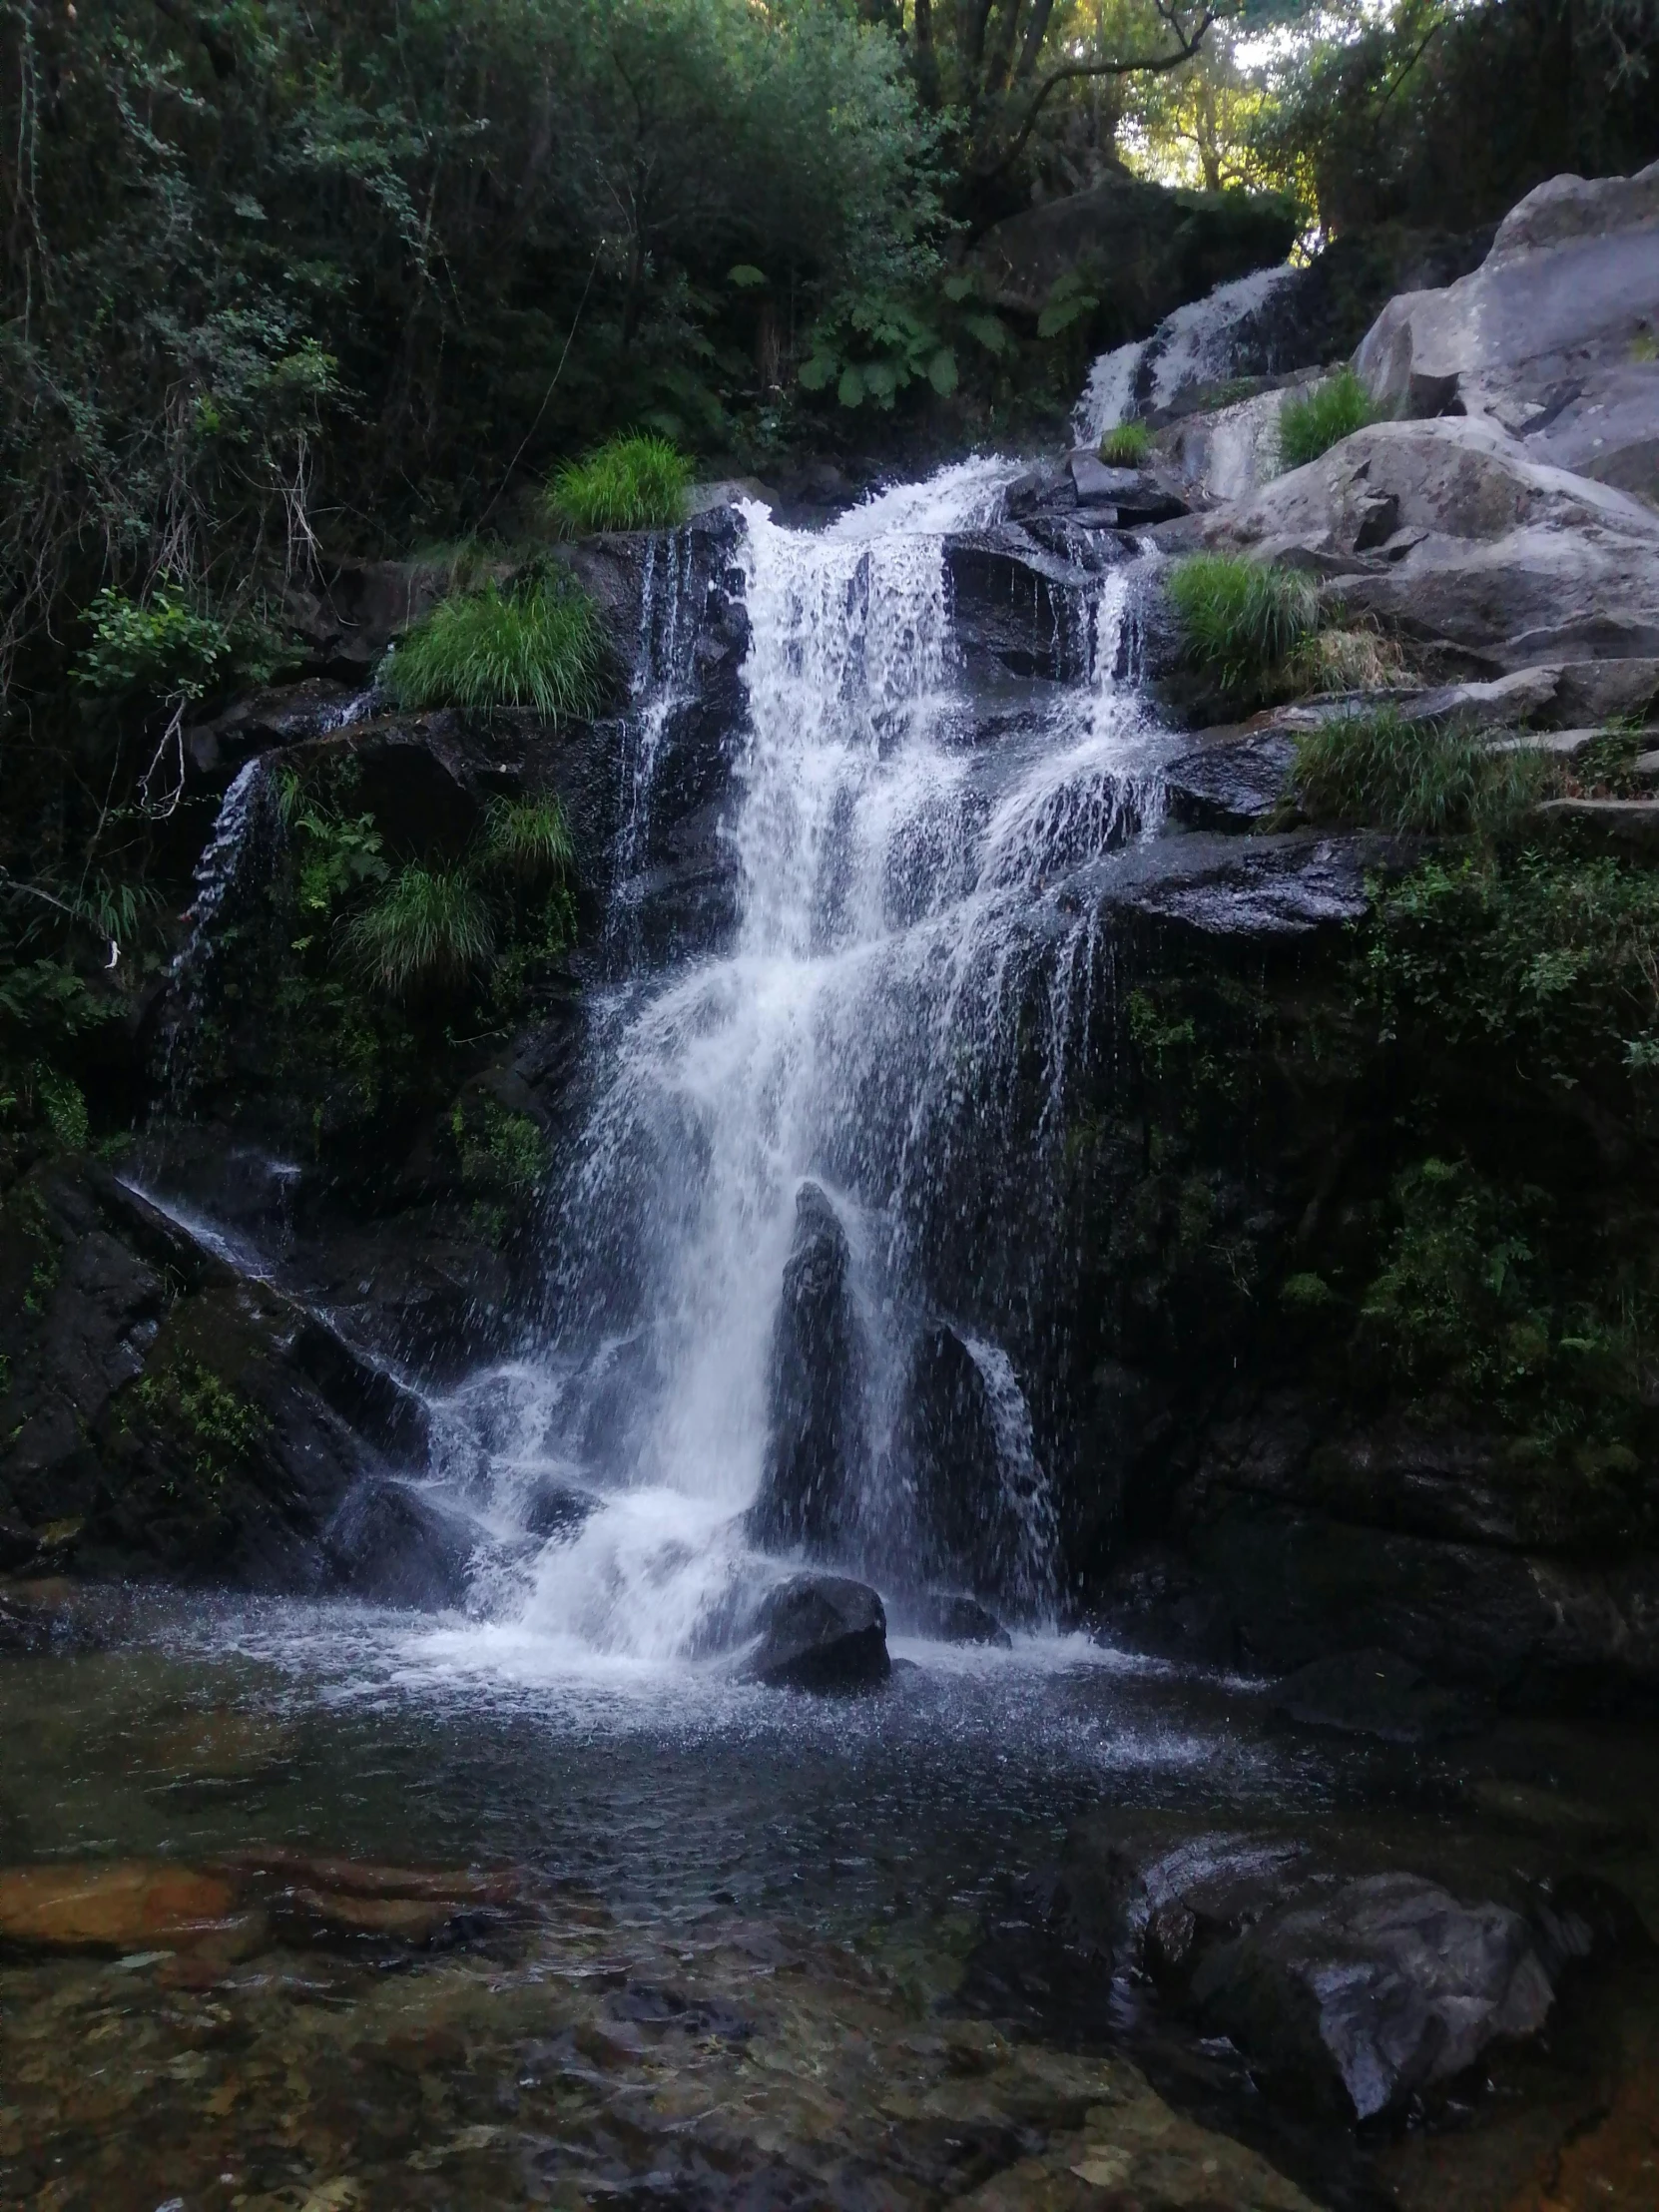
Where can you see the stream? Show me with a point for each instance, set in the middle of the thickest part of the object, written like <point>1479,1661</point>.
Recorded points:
<point>537,1901</point>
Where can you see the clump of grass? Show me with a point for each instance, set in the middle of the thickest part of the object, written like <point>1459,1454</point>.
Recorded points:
<point>527,837</point>
<point>539,646</point>
<point>1127,445</point>
<point>631,483</point>
<point>1343,660</point>
<point>1387,772</point>
<point>1332,411</point>
<point>431,928</point>
<point>1242,622</point>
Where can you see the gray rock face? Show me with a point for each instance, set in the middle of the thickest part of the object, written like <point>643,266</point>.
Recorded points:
<point>1551,337</point>
<point>1232,785</point>
<point>1220,886</point>
<point>814,1470</point>
<point>819,1632</point>
<point>1383,1988</point>
<point>967,1529</point>
<point>1451,530</point>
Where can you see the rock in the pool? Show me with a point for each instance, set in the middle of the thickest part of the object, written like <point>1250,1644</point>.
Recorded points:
<point>1376,1993</point>
<point>819,1632</point>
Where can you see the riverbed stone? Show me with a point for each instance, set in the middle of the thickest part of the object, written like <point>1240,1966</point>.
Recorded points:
<point>120,1907</point>
<point>819,1632</point>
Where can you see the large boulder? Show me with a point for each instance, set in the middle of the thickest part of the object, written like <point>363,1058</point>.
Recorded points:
<point>1146,248</point>
<point>819,1632</point>
<point>967,1526</point>
<point>1451,529</point>
<point>816,1450</point>
<point>403,1543</point>
<point>1551,337</point>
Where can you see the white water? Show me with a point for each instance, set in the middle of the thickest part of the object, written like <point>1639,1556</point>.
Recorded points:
<point>895,919</point>
<point>1195,346</point>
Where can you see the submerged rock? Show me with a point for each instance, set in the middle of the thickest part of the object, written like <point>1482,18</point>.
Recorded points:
<point>819,1632</point>
<point>815,1446</point>
<point>953,1617</point>
<point>1376,1693</point>
<point>111,1908</point>
<point>1376,1992</point>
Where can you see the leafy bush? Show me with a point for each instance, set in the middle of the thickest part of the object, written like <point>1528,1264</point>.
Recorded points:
<point>1128,445</point>
<point>221,1427</point>
<point>1328,413</point>
<point>1392,774</point>
<point>631,483</point>
<point>528,837</point>
<point>164,645</point>
<point>1555,960</point>
<point>540,646</point>
<point>1241,621</point>
<point>430,929</point>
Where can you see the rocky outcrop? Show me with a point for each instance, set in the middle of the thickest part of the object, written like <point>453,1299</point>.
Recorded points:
<point>1144,249</point>
<point>815,1457</point>
<point>966,1527</point>
<point>1552,339</point>
<point>1450,529</point>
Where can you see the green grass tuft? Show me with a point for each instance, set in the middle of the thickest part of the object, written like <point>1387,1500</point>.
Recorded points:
<point>1388,772</point>
<point>540,646</point>
<point>430,928</point>
<point>1241,621</point>
<point>1331,412</point>
<point>631,483</point>
<point>1127,445</point>
<point>527,837</point>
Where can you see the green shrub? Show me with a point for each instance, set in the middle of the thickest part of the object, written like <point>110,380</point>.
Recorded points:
<point>430,928</point>
<point>527,837</point>
<point>1128,445</point>
<point>164,645</point>
<point>1392,774</point>
<point>631,483</point>
<point>539,646</point>
<point>1553,961</point>
<point>1241,621</point>
<point>1328,413</point>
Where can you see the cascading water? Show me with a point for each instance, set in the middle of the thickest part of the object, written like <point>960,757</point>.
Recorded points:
<point>898,934</point>
<point>1200,344</point>
<point>236,854</point>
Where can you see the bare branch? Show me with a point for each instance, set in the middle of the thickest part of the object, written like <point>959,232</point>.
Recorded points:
<point>1149,65</point>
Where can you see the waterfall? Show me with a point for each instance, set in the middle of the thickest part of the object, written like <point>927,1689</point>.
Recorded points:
<point>236,853</point>
<point>663,685</point>
<point>1201,343</point>
<point>902,936</point>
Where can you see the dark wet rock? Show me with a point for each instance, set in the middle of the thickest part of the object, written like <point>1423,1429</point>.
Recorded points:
<point>1274,886</point>
<point>1376,1693</point>
<point>557,1511</point>
<point>1134,496</point>
<point>1362,1999</point>
<point>1233,784</point>
<point>290,714</point>
<point>967,1526</point>
<point>1155,1601</point>
<point>819,1632</point>
<point>1147,250</point>
<point>1019,603</point>
<point>401,1545</point>
<point>953,1617</point>
<point>1571,1823</point>
<point>815,1445</point>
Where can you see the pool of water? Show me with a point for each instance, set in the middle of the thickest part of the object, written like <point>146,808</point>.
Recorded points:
<point>744,1945</point>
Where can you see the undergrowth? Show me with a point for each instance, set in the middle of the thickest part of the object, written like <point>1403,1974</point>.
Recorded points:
<point>1241,621</point>
<point>1332,411</point>
<point>540,645</point>
<point>431,928</point>
<point>629,483</point>
<point>1383,771</point>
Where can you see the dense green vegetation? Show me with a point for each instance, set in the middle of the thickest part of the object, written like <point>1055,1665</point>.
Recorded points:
<point>630,483</point>
<point>1322,418</point>
<point>540,645</point>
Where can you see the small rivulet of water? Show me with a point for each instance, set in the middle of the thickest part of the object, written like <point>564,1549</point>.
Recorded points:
<point>867,1031</point>
<point>237,857</point>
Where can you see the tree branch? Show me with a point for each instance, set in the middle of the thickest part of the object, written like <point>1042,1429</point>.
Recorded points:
<point>1150,65</point>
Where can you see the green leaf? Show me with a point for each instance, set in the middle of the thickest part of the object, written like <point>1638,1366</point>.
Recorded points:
<point>746,275</point>
<point>882,380</point>
<point>816,374</point>
<point>1059,315</point>
<point>851,390</point>
<point>960,287</point>
<point>941,372</point>
<point>991,330</point>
